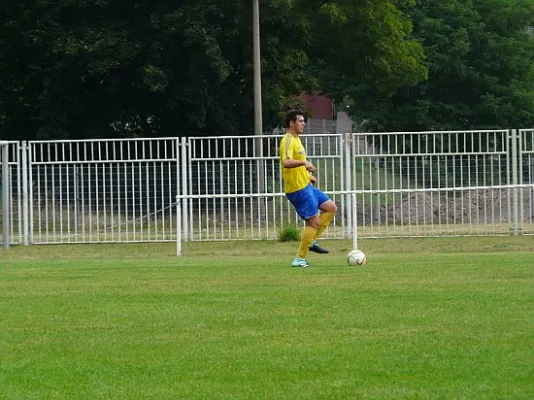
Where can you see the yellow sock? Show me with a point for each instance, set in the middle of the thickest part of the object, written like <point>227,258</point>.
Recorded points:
<point>305,241</point>
<point>326,218</point>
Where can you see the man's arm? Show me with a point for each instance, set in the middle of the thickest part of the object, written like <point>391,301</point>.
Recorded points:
<point>289,163</point>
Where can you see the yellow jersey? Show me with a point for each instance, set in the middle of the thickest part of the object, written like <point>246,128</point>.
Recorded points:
<point>294,178</point>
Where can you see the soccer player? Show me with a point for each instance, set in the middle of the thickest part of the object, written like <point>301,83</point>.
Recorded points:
<point>299,187</point>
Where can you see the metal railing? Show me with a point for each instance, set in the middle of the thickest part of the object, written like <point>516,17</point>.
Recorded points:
<point>394,184</point>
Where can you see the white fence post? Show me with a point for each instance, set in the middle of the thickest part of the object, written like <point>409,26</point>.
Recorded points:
<point>515,192</point>
<point>29,150</point>
<point>5,193</point>
<point>350,200</point>
<point>184,173</point>
<point>25,214</point>
<point>18,166</point>
<point>354,221</point>
<point>178,227</point>
<point>179,189</point>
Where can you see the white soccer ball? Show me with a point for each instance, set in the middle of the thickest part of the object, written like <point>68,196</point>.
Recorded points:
<point>356,257</point>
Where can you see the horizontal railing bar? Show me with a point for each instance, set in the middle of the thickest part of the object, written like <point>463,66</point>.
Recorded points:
<point>428,132</point>
<point>126,140</point>
<point>103,161</point>
<point>267,158</point>
<point>363,191</point>
<point>431,154</point>
<point>304,135</point>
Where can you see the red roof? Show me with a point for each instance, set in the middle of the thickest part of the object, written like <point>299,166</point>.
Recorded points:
<point>320,107</point>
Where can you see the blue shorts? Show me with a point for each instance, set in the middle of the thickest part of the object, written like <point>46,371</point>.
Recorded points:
<point>307,201</point>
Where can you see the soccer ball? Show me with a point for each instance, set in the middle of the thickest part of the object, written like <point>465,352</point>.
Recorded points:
<point>356,257</point>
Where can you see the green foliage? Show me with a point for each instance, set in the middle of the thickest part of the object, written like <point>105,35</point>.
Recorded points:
<point>108,68</point>
<point>480,58</point>
<point>289,233</point>
<point>368,51</point>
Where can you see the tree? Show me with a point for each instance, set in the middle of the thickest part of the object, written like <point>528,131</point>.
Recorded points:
<point>108,68</point>
<point>480,59</point>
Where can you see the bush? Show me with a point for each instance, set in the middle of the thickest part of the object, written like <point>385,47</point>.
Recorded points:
<point>290,234</point>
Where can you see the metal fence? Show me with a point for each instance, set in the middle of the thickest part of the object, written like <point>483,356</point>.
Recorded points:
<point>406,183</point>
<point>232,165</point>
<point>103,191</point>
<point>441,183</point>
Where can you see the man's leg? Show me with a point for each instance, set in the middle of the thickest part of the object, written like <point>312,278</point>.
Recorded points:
<point>326,218</point>
<point>307,237</point>
<point>328,209</point>
<point>306,204</point>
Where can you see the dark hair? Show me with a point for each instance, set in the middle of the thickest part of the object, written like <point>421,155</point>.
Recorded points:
<point>292,115</point>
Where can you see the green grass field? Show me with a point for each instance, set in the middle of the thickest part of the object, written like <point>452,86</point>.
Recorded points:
<point>447,318</point>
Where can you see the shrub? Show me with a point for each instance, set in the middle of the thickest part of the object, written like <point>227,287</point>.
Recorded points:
<point>290,234</point>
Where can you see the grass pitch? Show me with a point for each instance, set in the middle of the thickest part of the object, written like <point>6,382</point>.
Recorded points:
<point>424,318</point>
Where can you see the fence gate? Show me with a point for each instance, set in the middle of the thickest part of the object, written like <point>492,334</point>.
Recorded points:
<point>95,191</point>
<point>221,166</point>
<point>442,183</point>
